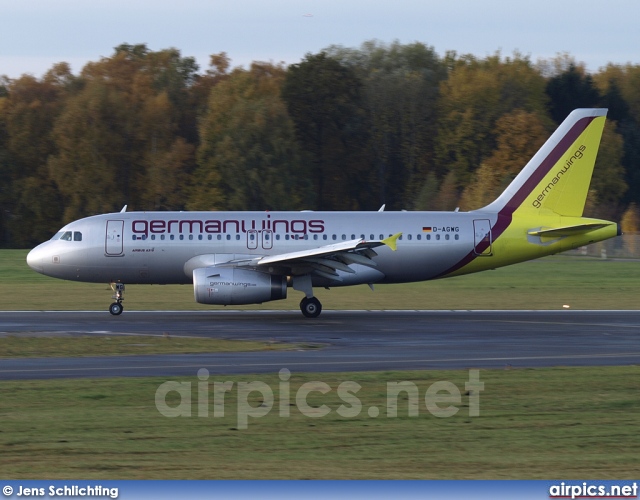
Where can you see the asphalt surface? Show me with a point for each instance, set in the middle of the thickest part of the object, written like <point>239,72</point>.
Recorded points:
<point>337,341</point>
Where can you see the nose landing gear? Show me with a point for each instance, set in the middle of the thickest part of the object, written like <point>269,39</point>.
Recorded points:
<point>118,294</point>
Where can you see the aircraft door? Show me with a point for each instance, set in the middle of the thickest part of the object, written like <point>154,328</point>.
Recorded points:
<point>114,238</point>
<point>252,239</point>
<point>482,237</point>
<point>267,239</point>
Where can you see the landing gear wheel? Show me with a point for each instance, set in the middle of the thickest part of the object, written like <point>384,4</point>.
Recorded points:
<point>311,308</point>
<point>116,308</point>
<point>118,294</point>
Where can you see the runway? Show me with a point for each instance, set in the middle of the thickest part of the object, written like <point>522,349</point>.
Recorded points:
<point>337,341</point>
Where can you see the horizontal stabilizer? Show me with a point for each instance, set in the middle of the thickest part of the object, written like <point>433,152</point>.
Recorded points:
<point>567,230</point>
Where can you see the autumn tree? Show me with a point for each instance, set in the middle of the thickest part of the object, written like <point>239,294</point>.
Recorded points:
<point>620,87</point>
<point>30,201</point>
<point>570,90</point>
<point>607,183</point>
<point>400,91</point>
<point>124,135</point>
<point>519,135</point>
<point>473,98</point>
<point>249,158</point>
<point>324,99</point>
<point>630,225</point>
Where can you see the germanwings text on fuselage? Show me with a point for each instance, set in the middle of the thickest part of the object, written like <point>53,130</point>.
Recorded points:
<point>144,228</point>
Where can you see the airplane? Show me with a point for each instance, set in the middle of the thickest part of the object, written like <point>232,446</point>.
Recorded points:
<point>235,258</point>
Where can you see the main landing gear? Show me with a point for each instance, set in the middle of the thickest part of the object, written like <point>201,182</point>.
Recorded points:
<point>310,307</point>
<point>118,294</point>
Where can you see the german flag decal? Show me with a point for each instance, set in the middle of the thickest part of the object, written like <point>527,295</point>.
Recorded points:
<point>426,229</point>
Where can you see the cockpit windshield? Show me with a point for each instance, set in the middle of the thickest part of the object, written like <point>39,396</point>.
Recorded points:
<point>68,236</point>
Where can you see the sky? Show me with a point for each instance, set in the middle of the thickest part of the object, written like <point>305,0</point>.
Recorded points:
<point>36,34</point>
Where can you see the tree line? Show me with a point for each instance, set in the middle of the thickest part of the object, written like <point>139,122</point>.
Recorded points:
<point>344,129</point>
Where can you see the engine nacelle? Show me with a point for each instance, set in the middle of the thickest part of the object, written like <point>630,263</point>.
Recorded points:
<point>230,286</point>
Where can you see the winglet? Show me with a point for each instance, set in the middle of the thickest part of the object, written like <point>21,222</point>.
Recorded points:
<point>391,241</point>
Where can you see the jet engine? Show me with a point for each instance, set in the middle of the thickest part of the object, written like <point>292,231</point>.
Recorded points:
<point>232,286</point>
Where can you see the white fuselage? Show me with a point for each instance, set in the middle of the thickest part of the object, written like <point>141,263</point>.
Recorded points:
<point>153,247</point>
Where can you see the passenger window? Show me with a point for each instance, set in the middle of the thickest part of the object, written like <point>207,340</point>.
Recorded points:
<point>408,236</point>
<point>324,236</point>
<point>66,236</point>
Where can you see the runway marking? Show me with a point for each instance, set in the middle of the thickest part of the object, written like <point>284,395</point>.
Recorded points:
<point>307,363</point>
<point>615,325</point>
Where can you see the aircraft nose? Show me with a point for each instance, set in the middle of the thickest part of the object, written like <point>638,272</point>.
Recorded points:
<point>34,259</point>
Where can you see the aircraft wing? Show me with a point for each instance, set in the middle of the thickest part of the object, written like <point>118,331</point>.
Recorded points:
<point>323,261</point>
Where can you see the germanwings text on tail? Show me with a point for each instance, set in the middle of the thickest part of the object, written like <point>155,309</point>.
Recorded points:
<point>254,257</point>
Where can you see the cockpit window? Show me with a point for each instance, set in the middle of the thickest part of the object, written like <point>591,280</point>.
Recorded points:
<point>56,236</point>
<point>77,236</point>
<point>66,236</point>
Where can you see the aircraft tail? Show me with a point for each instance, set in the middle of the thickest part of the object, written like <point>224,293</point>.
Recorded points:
<point>556,180</point>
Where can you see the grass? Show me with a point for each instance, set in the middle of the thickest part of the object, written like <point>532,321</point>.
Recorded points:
<point>549,283</point>
<point>22,346</point>
<point>561,423</point>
